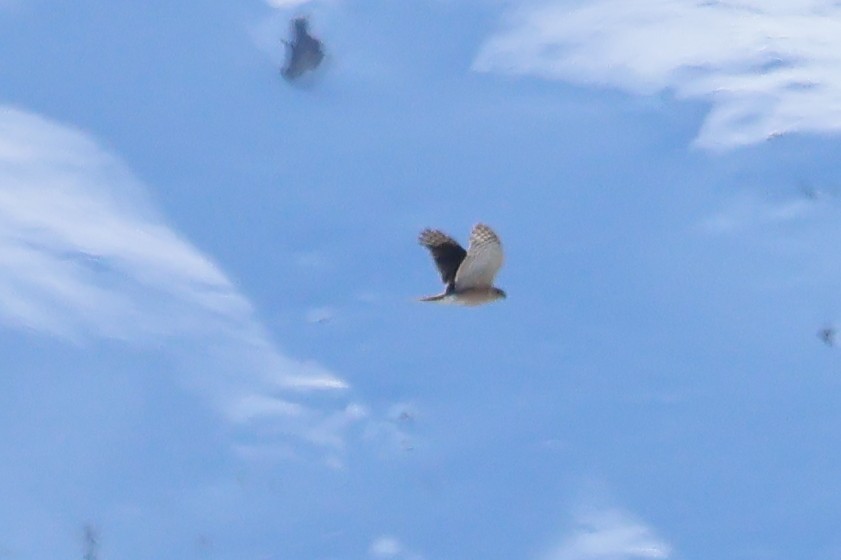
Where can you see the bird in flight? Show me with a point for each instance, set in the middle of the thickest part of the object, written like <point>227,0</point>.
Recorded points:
<point>467,275</point>
<point>305,52</point>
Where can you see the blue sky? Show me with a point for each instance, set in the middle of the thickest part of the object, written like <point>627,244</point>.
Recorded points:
<point>210,343</point>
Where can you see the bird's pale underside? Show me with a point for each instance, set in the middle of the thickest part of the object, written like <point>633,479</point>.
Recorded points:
<point>467,275</point>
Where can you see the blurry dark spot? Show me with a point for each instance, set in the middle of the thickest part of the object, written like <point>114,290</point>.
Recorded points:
<point>801,86</point>
<point>827,334</point>
<point>303,53</point>
<point>204,544</point>
<point>90,542</point>
<point>811,192</point>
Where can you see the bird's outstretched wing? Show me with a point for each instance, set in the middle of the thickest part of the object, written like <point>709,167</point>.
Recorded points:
<point>483,260</point>
<point>446,251</point>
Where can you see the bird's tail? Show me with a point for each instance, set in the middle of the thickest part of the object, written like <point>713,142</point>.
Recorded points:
<point>438,297</point>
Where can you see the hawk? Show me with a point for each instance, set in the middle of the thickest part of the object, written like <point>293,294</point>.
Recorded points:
<point>305,52</point>
<point>467,275</point>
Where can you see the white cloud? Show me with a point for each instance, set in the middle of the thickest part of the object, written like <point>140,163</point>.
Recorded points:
<point>767,66</point>
<point>389,547</point>
<point>283,4</point>
<point>609,534</point>
<point>84,256</point>
<point>291,4</point>
<point>385,547</point>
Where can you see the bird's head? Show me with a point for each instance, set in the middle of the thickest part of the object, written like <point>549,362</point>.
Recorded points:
<point>500,294</point>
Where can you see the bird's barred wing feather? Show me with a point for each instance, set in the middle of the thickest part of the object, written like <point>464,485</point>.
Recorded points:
<point>446,252</point>
<point>483,260</point>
